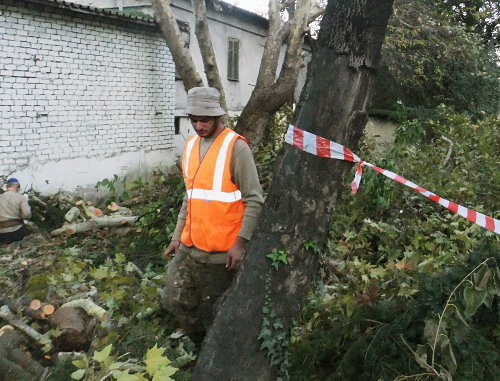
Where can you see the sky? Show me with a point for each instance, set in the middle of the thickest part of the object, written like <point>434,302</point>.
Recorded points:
<point>257,6</point>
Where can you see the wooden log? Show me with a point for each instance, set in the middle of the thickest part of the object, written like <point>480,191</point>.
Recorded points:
<point>89,307</point>
<point>94,223</point>
<point>15,363</point>
<point>8,316</point>
<point>22,308</point>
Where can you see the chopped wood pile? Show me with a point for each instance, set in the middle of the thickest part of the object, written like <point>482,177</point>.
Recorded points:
<point>84,217</point>
<point>69,328</point>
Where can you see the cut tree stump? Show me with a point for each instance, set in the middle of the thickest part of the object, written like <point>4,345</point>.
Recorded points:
<point>77,327</point>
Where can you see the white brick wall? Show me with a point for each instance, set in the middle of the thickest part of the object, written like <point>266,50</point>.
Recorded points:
<point>80,86</point>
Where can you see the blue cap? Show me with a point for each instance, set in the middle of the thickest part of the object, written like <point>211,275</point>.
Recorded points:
<point>12,180</point>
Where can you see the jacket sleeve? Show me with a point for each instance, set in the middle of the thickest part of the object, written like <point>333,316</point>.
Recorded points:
<point>181,221</point>
<point>244,175</point>
<point>25,209</point>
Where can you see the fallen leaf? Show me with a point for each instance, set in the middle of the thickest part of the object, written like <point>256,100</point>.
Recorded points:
<point>404,266</point>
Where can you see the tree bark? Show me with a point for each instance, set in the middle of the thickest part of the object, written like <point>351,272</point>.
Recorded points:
<point>271,92</point>
<point>207,51</point>
<point>180,53</point>
<point>263,301</point>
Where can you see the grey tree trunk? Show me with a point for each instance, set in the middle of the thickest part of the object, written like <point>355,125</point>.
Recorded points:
<point>263,301</point>
<point>207,51</point>
<point>271,93</point>
<point>180,53</point>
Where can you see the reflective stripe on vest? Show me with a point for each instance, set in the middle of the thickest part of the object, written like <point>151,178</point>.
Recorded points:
<point>215,194</point>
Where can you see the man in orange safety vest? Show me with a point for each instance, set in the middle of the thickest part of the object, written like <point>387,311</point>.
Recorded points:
<point>219,213</point>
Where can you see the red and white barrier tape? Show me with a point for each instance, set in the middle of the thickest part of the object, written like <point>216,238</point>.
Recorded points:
<point>322,147</point>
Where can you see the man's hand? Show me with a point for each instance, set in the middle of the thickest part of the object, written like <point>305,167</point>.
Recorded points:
<point>235,254</point>
<point>171,249</point>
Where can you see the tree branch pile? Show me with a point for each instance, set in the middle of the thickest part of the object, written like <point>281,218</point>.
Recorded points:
<point>84,217</point>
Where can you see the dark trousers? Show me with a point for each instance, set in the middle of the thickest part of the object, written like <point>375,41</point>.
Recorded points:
<point>192,290</point>
<point>16,235</point>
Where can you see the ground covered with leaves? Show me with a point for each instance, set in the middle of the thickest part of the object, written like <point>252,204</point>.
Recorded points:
<point>408,290</point>
<point>122,269</point>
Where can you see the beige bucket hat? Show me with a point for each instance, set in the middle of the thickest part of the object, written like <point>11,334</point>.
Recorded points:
<point>204,101</point>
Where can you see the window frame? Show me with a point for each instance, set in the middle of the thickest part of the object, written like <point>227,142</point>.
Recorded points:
<point>233,59</point>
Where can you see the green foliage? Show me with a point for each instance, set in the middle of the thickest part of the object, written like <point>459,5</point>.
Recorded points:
<point>429,59</point>
<point>409,130</point>
<point>115,188</point>
<point>102,365</point>
<point>162,198</point>
<point>278,257</point>
<point>274,336</point>
<point>478,16</point>
<point>313,246</point>
<point>409,289</point>
<point>271,144</point>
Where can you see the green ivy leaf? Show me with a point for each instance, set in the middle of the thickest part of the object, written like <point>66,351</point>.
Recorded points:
<point>283,258</point>
<point>80,363</point>
<point>272,256</point>
<point>78,375</point>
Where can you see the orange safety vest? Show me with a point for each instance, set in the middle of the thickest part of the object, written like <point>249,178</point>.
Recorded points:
<point>214,206</point>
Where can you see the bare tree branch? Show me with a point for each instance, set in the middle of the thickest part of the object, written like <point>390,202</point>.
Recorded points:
<point>207,51</point>
<point>180,53</point>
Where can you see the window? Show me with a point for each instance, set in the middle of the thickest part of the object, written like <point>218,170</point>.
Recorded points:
<point>185,33</point>
<point>233,58</point>
<point>177,125</point>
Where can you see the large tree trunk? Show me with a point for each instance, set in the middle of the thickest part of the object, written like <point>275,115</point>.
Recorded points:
<point>301,200</point>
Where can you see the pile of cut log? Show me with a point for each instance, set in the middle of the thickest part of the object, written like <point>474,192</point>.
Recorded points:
<point>75,320</point>
<point>83,217</point>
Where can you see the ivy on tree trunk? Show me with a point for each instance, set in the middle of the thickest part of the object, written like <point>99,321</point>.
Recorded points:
<point>263,301</point>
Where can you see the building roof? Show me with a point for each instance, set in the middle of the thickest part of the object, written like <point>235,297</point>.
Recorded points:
<point>141,19</point>
<point>87,9</point>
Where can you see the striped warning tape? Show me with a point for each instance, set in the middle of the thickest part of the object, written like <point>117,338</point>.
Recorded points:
<point>322,147</point>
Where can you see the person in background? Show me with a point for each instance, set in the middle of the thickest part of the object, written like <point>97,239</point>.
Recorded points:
<point>14,208</point>
<point>220,211</point>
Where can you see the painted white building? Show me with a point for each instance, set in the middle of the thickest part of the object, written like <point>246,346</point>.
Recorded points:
<point>89,90</point>
<point>238,38</point>
<point>84,95</point>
